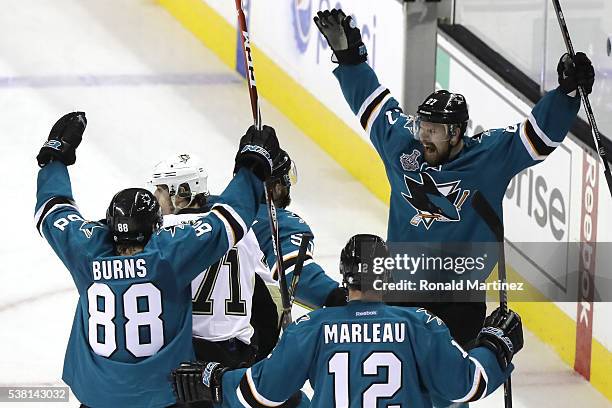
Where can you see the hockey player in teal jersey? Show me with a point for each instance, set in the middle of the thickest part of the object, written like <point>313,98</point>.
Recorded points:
<point>132,324</point>
<point>315,288</point>
<point>433,168</point>
<point>365,354</point>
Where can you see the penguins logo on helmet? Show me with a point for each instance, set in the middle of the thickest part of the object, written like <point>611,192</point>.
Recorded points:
<point>182,175</point>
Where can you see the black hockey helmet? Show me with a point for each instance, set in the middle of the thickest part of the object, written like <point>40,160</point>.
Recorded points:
<point>357,264</point>
<point>284,170</point>
<point>443,107</point>
<point>133,215</point>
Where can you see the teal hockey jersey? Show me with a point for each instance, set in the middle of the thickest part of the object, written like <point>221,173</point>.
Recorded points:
<point>370,355</point>
<point>433,204</point>
<point>314,285</point>
<point>132,324</point>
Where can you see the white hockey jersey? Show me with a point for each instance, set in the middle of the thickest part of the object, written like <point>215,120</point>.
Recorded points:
<point>222,294</point>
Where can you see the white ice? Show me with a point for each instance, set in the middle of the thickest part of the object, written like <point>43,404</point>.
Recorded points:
<point>149,88</point>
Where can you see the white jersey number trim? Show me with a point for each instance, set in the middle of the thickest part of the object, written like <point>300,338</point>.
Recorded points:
<point>338,367</point>
<point>102,329</point>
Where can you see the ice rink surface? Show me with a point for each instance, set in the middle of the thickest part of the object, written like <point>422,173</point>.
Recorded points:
<point>151,89</point>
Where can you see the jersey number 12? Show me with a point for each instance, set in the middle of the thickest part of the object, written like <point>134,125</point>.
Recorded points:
<point>338,367</point>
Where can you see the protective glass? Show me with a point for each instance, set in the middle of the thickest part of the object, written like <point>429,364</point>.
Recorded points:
<point>291,178</point>
<point>428,132</point>
<point>293,174</point>
<point>183,192</point>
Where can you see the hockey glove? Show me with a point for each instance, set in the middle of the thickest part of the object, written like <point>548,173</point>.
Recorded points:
<point>198,381</point>
<point>503,334</point>
<point>337,297</point>
<point>342,36</point>
<point>64,138</point>
<point>257,151</point>
<point>575,72</point>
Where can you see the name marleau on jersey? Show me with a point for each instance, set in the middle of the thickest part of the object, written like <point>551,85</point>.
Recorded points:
<point>458,284</point>
<point>364,332</point>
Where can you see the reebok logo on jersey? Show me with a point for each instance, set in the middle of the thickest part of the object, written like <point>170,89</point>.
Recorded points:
<point>367,313</point>
<point>432,201</point>
<point>410,162</point>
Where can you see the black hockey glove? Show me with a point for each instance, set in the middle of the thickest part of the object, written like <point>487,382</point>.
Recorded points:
<point>198,381</point>
<point>342,36</point>
<point>257,151</point>
<point>64,138</point>
<point>337,297</point>
<point>503,334</point>
<point>575,73</point>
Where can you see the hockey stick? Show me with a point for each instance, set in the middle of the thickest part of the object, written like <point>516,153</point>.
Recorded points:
<point>250,71</point>
<point>585,98</point>
<point>249,68</point>
<point>299,264</point>
<point>486,212</point>
<point>297,271</point>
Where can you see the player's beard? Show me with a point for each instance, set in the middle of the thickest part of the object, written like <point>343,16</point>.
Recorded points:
<point>283,202</point>
<point>436,155</point>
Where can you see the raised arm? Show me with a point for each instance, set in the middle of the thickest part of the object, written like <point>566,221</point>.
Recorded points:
<point>194,247</point>
<point>378,112</point>
<point>57,217</point>
<point>532,141</point>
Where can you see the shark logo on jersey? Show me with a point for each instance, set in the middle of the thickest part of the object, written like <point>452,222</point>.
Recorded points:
<point>87,227</point>
<point>434,202</point>
<point>479,136</point>
<point>410,162</point>
<point>172,228</point>
<point>430,316</point>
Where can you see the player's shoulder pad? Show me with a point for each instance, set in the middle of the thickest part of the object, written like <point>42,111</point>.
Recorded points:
<point>310,318</point>
<point>489,137</point>
<point>292,221</point>
<point>199,225</point>
<point>420,317</point>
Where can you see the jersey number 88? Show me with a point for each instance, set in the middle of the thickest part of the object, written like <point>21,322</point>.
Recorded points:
<point>142,309</point>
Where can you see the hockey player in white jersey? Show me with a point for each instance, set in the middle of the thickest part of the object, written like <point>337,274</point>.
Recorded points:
<point>223,294</point>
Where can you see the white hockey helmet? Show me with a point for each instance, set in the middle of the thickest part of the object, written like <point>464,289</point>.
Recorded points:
<point>184,175</point>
